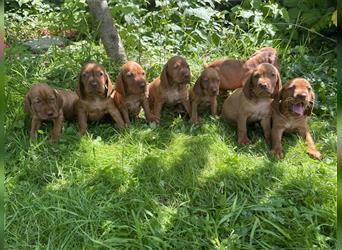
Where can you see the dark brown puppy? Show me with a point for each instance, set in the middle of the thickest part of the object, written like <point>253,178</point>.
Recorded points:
<point>204,93</point>
<point>171,87</point>
<point>45,103</point>
<point>290,113</point>
<point>253,102</point>
<point>94,90</point>
<point>233,73</point>
<point>130,92</point>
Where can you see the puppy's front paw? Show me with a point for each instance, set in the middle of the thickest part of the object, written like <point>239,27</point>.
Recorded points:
<point>315,154</point>
<point>278,153</point>
<point>54,139</point>
<point>153,118</point>
<point>194,120</point>
<point>244,141</point>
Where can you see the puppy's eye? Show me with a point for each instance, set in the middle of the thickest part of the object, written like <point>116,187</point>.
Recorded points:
<point>256,76</point>
<point>100,73</point>
<point>37,101</point>
<point>175,66</point>
<point>129,74</point>
<point>84,74</point>
<point>273,74</point>
<point>143,73</point>
<point>309,88</point>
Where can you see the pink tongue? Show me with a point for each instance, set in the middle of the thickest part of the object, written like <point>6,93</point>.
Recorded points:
<point>298,109</point>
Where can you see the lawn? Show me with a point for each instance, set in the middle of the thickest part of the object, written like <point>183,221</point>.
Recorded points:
<point>175,186</point>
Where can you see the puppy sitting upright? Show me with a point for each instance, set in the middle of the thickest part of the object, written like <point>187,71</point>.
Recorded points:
<point>130,92</point>
<point>204,93</point>
<point>290,114</point>
<point>94,90</point>
<point>45,103</point>
<point>253,102</point>
<point>170,88</point>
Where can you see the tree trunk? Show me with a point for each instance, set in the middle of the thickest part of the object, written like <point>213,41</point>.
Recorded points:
<point>108,32</point>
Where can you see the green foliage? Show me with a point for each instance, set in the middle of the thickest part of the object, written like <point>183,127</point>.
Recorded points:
<point>295,20</point>
<point>71,15</point>
<point>314,14</point>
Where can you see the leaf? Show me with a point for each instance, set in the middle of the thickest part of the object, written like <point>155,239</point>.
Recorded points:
<point>130,19</point>
<point>277,227</point>
<point>19,124</point>
<point>174,27</point>
<point>285,14</point>
<point>334,18</point>
<point>202,13</point>
<point>309,18</point>
<point>246,13</point>
<point>201,34</point>
<point>251,237</point>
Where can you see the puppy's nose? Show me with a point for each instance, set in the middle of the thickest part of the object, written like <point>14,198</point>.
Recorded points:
<point>263,85</point>
<point>214,90</point>
<point>301,95</point>
<point>50,113</point>
<point>142,83</point>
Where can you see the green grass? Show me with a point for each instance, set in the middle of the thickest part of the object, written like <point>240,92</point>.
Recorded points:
<point>176,186</point>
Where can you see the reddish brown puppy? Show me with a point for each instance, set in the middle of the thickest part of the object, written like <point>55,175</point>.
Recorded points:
<point>290,113</point>
<point>204,93</point>
<point>171,87</point>
<point>94,90</point>
<point>233,73</point>
<point>253,102</point>
<point>130,92</point>
<point>45,103</point>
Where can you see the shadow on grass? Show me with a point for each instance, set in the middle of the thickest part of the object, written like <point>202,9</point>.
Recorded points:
<point>158,188</point>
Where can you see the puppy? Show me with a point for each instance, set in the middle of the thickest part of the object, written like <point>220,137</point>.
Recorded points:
<point>253,102</point>
<point>94,90</point>
<point>290,113</point>
<point>130,92</point>
<point>170,88</point>
<point>204,93</point>
<point>233,73</point>
<point>45,103</point>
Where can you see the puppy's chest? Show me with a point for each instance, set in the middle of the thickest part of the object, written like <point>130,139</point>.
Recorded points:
<point>259,110</point>
<point>292,124</point>
<point>174,96</point>
<point>133,104</point>
<point>204,102</point>
<point>96,109</point>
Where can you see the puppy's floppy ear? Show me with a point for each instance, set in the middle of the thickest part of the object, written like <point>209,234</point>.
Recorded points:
<point>164,79</point>
<point>198,87</point>
<point>310,106</point>
<point>120,85</point>
<point>28,108</point>
<point>277,100</point>
<point>248,86</point>
<point>278,86</point>
<point>58,98</point>
<point>80,86</point>
<point>109,84</point>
